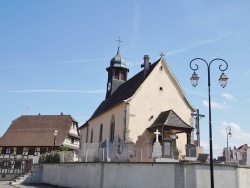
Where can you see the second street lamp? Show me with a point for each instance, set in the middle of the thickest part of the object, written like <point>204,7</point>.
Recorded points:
<point>228,130</point>
<point>55,134</point>
<point>223,82</point>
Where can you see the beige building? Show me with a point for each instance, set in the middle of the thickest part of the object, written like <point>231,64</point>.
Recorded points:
<point>151,100</point>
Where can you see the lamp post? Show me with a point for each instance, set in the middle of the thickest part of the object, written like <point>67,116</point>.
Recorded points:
<point>228,130</point>
<point>55,134</point>
<point>223,82</point>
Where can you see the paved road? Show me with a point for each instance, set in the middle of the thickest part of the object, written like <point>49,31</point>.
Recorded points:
<point>5,184</point>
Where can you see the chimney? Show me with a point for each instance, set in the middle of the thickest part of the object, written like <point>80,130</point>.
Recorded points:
<point>146,64</point>
<point>61,113</point>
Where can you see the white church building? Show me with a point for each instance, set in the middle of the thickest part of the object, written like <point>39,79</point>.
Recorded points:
<point>133,109</point>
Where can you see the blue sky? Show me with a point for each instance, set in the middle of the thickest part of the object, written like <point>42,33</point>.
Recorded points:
<point>54,54</point>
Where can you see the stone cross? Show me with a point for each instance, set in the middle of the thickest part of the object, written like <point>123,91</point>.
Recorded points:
<point>162,55</point>
<point>157,135</point>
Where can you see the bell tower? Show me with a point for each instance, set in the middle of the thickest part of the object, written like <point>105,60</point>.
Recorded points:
<point>117,72</point>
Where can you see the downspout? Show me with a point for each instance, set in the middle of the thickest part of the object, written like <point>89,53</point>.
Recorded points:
<point>126,120</point>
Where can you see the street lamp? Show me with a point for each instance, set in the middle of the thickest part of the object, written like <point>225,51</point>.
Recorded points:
<point>223,82</point>
<point>55,134</point>
<point>228,130</point>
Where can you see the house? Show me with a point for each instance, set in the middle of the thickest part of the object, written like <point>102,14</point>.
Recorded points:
<point>32,135</point>
<point>150,101</point>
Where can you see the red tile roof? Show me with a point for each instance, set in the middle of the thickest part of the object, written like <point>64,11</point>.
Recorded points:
<point>37,130</point>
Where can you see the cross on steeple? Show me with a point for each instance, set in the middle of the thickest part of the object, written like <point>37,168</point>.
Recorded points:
<point>119,41</point>
<point>162,54</point>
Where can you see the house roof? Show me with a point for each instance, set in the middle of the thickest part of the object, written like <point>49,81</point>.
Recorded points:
<point>37,130</point>
<point>169,119</point>
<point>123,92</point>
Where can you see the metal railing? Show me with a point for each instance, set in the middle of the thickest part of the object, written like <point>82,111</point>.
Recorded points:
<point>144,154</point>
<point>15,166</point>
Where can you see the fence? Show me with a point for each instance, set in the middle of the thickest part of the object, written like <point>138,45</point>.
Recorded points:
<point>15,166</point>
<point>55,157</point>
<point>144,154</point>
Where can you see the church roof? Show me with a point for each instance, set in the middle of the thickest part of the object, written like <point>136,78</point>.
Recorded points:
<point>123,92</point>
<point>169,119</point>
<point>37,130</point>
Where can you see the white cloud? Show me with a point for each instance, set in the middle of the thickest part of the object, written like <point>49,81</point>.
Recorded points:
<point>194,45</point>
<point>215,105</point>
<point>228,96</point>
<point>56,91</point>
<point>195,93</point>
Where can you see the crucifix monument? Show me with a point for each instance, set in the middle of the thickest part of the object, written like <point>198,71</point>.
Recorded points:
<point>157,148</point>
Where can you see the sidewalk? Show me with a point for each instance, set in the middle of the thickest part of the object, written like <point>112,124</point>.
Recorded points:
<point>5,184</point>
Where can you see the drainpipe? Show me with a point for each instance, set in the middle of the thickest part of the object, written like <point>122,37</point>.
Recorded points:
<point>125,134</point>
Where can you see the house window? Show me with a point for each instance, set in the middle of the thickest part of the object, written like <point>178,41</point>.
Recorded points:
<point>100,135</point>
<point>6,164</point>
<point>8,150</point>
<point>43,150</point>
<point>91,139</point>
<point>19,151</point>
<point>31,151</point>
<point>112,129</point>
<point>17,165</point>
<point>72,140</point>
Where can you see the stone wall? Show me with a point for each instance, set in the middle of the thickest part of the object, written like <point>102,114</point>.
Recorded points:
<point>170,175</point>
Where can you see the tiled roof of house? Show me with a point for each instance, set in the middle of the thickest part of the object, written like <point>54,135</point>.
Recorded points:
<point>37,130</point>
<point>123,92</point>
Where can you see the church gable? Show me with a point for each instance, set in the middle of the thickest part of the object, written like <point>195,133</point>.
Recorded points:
<point>159,92</point>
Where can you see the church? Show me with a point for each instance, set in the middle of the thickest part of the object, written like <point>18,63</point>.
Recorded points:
<point>151,102</point>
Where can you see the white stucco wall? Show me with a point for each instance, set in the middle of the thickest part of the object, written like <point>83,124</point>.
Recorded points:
<point>105,120</point>
<point>242,177</point>
<point>150,100</point>
<point>145,175</point>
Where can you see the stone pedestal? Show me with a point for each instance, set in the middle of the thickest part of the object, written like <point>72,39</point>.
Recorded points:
<point>157,150</point>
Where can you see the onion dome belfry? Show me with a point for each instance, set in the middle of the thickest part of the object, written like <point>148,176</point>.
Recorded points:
<point>117,73</point>
<point>118,60</point>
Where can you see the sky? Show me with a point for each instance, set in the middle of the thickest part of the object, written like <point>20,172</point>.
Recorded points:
<point>54,55</point>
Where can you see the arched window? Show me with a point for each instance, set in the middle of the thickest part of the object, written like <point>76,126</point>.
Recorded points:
<point>87,134</point>
<point>123,76</point>
<point>100,134</point>
<point>91,138</point>
<point>112,129</point>
<point>116,75</point>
